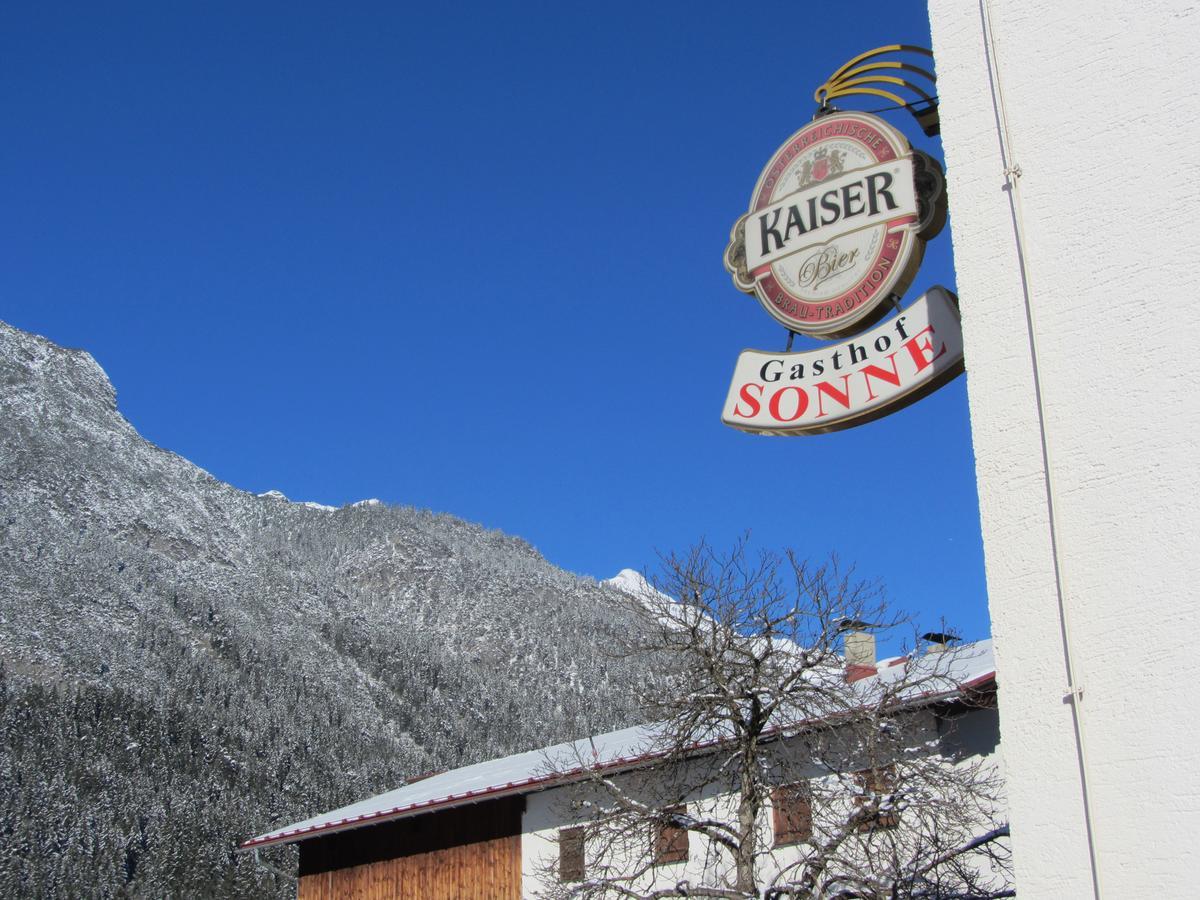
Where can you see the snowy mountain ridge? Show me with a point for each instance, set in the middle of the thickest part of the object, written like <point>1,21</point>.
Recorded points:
<point>183,663</point>
<point>634,583</point>
<point>667,609</point>
<point>312,504</point>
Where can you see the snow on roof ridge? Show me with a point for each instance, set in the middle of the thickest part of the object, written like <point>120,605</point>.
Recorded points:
<point>508,775</point>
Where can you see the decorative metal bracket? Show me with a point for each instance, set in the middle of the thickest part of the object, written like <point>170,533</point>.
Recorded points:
<point>874,79</point>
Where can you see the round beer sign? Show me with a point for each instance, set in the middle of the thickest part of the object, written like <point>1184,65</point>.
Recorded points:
<point>837,225</point>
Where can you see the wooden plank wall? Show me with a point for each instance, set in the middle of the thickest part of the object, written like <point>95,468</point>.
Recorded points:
<point>471,853</point>
<point>489,870</point>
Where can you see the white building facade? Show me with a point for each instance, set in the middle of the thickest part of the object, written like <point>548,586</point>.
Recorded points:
<point>504,828</point>
<point>971,739</point>
<point>1071,133</point>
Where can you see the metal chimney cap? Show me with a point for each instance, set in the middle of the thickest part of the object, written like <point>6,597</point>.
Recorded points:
<point>848,624</point>
<point>940,637</point>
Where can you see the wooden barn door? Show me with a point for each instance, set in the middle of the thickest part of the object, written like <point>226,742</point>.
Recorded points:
<point>469,853</point>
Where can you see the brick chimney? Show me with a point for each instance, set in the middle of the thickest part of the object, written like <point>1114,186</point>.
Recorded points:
<point>860,655</point>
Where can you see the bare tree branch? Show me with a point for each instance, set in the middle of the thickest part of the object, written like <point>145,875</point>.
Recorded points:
<point>760,698</point>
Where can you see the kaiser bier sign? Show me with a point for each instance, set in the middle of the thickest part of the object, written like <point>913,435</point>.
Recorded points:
<point>837,224</point>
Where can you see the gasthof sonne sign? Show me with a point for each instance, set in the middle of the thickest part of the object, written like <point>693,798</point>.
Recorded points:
<point>875,373</point>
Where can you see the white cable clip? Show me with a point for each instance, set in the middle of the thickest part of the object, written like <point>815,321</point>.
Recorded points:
<point>1074,694</point>
<point>1013,171</point>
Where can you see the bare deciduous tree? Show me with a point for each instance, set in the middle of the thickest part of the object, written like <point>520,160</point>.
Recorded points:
<point>774,770</point>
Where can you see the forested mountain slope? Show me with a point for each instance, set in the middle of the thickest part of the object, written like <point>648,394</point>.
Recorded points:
<point>183,664</point>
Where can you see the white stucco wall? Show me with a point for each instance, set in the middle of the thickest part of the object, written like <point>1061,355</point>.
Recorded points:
<point>964,742</point>
<point>549,811</point>
<point>1104,123</point>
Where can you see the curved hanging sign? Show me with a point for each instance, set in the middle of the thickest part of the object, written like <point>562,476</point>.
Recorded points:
<point>840,385</point>
<point>837,224</point>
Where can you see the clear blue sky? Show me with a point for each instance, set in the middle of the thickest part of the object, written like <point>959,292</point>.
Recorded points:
<point>463,257</point>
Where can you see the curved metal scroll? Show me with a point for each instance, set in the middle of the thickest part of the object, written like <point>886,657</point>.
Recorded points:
<point>866,74</point>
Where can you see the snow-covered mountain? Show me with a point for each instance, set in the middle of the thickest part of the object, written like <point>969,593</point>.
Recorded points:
<point>665,609</point>
<point>183,664</point>
<point>634,583</point>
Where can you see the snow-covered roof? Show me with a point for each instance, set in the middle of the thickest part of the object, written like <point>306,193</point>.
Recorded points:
<point>517,774</point>
<point>969,667</point>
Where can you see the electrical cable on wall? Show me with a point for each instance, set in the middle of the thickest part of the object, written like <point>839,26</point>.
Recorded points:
<point>1012,174</point>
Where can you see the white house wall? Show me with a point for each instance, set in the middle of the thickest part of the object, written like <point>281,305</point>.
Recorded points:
<point>549,811</point>
<point>969,738</point>
<point>1104,126</point>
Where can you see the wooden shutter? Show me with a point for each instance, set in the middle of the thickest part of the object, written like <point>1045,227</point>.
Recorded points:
<point>671,841</point>
<point>792,811</point>
<point>570,854</point>
<point>880,780</point>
